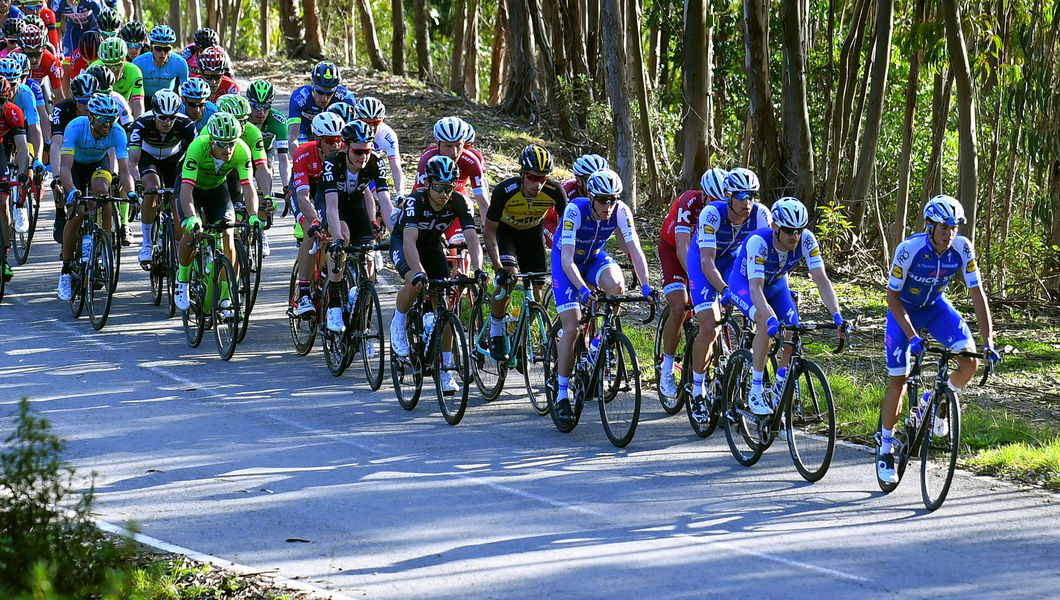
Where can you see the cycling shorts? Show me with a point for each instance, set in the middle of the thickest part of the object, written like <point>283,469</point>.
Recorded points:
<point>212,206</point>
<point>84,173</point>
<point>674,277</point>
<point>777,294</point>
<point>941,320</point>
<point>167,169</point>
<point>565,294</point>
<point>703,294</point>
<point>522,249</point>
<point>432,257</point>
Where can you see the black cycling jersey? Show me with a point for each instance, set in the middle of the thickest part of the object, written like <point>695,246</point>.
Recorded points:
<point>146,136</point>
<point>62,114</point>
<point>350,187</point>
<point>419,214</point>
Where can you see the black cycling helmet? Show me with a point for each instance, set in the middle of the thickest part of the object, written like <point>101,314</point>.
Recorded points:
<point>133,32</point>
<point>206,37</point>
<point>103,75</point>
<point>536,158</point>
<point>13,28</point>
<point>357,132</point>
<point>88,46</point>
<point>83,86</point>
<point>109,21</point>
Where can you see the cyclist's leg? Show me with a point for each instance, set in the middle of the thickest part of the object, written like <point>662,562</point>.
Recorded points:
<point>100,187</point>
<point>675,282</point>
<point>508,241</point>
<point>780,299</point>
<point>568,306</point>
<point>606,275</point>
<point>946,325</point>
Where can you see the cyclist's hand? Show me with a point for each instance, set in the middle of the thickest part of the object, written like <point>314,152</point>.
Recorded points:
<point>23,179</point>
<point>288,201</point>
<point>73,197</point>
<point>772,327</point>
<point>726,298</point>
<point>586,294</point>
<point>140,187</point>
<point>336,248</point>
<point>377,229</point>
<point>503,278</point>
<point>646,291</point>
<point>192,223</point>
<point>419,280</point>
<point>481,277</point>
<point>254,221</point>
<point>315,230</point>
<point>916,345</point>
<point>991,355</point>
<point>38,165</point>
<point>841,325</point>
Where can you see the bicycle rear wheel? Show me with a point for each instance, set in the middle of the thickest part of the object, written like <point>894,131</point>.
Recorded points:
<point>552,385</point>
<point>20,241</point>
<point>115,243</point>
<point>938,450</point>
<point>303,328</point>
<point>3,264</point>
<point>671,404</point>
<point>195,317</point>
<point>170,252</point>
<point>489,373</point>
<point>226,319</point>
<point>740,425</point>
<point>809,419</point>
<point>453,404</point>
<point>243,285</point>
<point>702,429</point>
<point>619,389</point>
<point>406,372</point>
<point>77,285</point>
<point>157,274</point>
<point>255,256</point>
<point>369,335</point>
<point>532,357</point>
<point>100,281</point>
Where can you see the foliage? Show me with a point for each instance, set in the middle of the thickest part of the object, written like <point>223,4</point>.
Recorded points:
<point>833,226</point>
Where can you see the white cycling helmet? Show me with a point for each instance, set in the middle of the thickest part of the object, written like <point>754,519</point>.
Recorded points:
<point>587,164</point>
<point>944,209</point>
<point>741,180</point>
<point>450,129</point>
<point>166,102</point>
<point>604,182</point>
<point>790,212</point>
<point>713,183</point>
<point>327,124</point>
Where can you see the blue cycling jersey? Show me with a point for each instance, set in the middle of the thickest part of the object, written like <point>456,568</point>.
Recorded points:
<point>716,231</point>
<point>88,149</point>
<point>303,108</point>
<point>77,18</point>
<point>587,234</point>
<point>207,112</point>
<point>169,76</point>
<point>922,275</point>
<point>38,92</point>
<point>758,257</point>
<point>26,100</point>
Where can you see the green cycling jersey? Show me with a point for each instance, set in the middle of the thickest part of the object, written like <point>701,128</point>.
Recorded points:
<point>204,172</point>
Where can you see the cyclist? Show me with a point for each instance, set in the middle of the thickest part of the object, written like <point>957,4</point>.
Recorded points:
<point>203,195</point>
<point>194,92</point>
<point>758,286</point>
<point>109,22</point>
<point>214,64</point>
<point>12,29</point>
<point>36,8</point>
<point>82,88</point>
<point>238,106</point>
<point>203,38</point>
<point>105,77</point>
<point>350,205</point>
<point>310,100</point>
<point>134,34</point>
<point>588,224</point>
<point>128,79</point>
<point>722,226</point>
<point>371,111</point>
<point>87,52</point>
<point>451,135</point>
<point>8,8</point>
<point>157,144</point>
<point>922,269</point>
<point>417,249</point>
<point>162,68</point>
<point>84,164</point>
<point>309,197</point>
<point>584,166</point>
<point>76,18</point>
<point>27,102</point>
<point>273,127</point>
<point>12,129</point>
<point>44,67</point>
<point>512,228</point>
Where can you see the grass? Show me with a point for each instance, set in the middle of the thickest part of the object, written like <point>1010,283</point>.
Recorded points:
<point>1037,464</point>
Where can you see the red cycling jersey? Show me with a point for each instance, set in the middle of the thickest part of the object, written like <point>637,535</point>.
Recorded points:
<point>227,86</point>
<point>77,64</point>
<point>12,122</point>
<point>49,67</point>
<point>684,213</point>
<point>472,170</point>
<point>308,165</point>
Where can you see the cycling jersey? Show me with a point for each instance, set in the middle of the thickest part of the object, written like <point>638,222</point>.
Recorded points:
<point>587,234</point>
<point>509,207</point>
<point>431,223</point>
<point>79,17</point>
<point>190,54</point>
<point>227,85</point>
<point>64,112</point>
<point>922,275</point>
<point>146,136</point>
<point>472,170</point>
<point>49,67</point>
<point>386,140</point>
<point>207,112</point>
<point>682,216</point>
<point>169,76</point>
<point>715,230</point>
<point>38,91</point>
<point>26,101</point>
<point>350,187</point>
<point>86,148</point>
<point>48,16</point>
<point>303,107</point>
<point>203,171</point>
<point>758,257</point>
<point>131,83</point>
<point>77,64</point>
<point>11,122</point>
<point>252,137</point>
<point>274,131</point>
<point>308,165</point>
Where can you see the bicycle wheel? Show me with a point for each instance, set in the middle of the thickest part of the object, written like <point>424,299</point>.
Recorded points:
<point>489,373</point>
<point>115,244</point>
<point>552,385</point>
<point>686,393</point>
<point>303,328</point>
<point>100,277</point>
<point>740,425</point>
<point>195,317</point>
<point>348,317</point>
<point>243,285</point>
<point>671,404</point>
<point>809,419</point>
<point>20,241</point>
<point>406,372</point>
<point>77,285</point>
<point>938,450</point>
<point>157,273</point>
<point>3,264</point>
<point>369,335</point>
<point>226,308</point>
<point>532,356</point>
<point>254,264</point>
<point>456,369</point>
<point>169,251</point>
<point>619,389</point>
<point>902,439</point>
<point>336,344</point>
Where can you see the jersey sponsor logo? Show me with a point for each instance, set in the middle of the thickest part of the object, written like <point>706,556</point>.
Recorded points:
<point>708,229</point>
<point>712,218</point>
<point>683,216</point>
<point>568,225</point>
<point>971,266</point>
<point>903,255</point>
<point>191,164</point>
<point>968,250</point>
<point>511,187</point>
<point>896,272</point>
<point>760,260</point>
<point>807,242</point>
<point>914,291</point>
<point>815,252</point>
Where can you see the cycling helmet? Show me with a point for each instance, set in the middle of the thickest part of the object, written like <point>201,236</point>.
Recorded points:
<point>470,137</point>
<point>789,212</point>
<point>13,28</point>
<point>113,51</point>
<point>328,124</point>
<point>370,109</point>
<point>235,105</point>
<point>83,86</point>
<point>450,129</point>
<point>206,37</point>
<point>213,60</point>
<point>605,182</point>
<point>10,68</point>
<point>23,62</point>
<point>357,132</point>
<point>195,88</point>
<point>325,75</point>
<point>223,127</point>
<point>89,45</point>
<point>535,158</point>
<point>109,22</point>
<point>441,168</point>
<point>944,209</point>
<point>103,105</point>
<point>261,92</point>
<point>32,38</point>
<point>102,74</point>
<point>713,183</point>
<point>741,180</point>
<point>166,102</point>
<point>5,89</point>
<point>587,164</point>
<point>34,19</point>
<point>344,110</point>
<point>162,35</point>
<point>133,32</point>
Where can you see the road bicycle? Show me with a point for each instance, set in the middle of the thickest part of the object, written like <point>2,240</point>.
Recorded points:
<point>429,332</point>
<point>163,266</point>
<point>304,328</point>
<point>804,409</point>
<point>94,268</point>
<point>932,431</point>
<point>609,374</point>
<point>526,332</point>
<point>27,198</point>
<point>362,317</point>
<point>213,292</point>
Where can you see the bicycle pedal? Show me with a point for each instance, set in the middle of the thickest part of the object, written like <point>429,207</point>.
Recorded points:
<point>146,265</point>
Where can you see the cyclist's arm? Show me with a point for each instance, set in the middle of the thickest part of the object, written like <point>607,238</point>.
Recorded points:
<point>33,133</point>
<point>331,198</point>
<point>573,275</point>
<point>900,314</point>
<point>395,170</point>
<point>283,163</point>
<point>982,314</point>
<point>56,155</point>
<point>707,262</point>
<point>305,205</point>
<point>263,178</point>
<point>473,248</point>
<point>684,240</point>
<point>22,150</point>
<point>369,200</point>
<point>489,228</point>
<point>45,124</point>
<point>134,162</point>
<point>409,237</point>
<point>629,242</point>
<point>758,296</point>
<point>65,172</point>
<point>127,182</point>
<point>824,286</point>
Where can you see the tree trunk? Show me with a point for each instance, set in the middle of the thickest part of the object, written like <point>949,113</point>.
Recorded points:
<point>764,123</point>
<point>471,83</point>
<point>829,82</point>
<point>497,56</point>
<point>548,76</point>
<point>654,51</point>
<point>314,36</point>
<point>520,81</point>
<point>696,79</point>
<point>263,26</point>
<point>848,68</point>
<point>371,40</point>
<point>640,85</point>
<point>291,26</point>
<point>213,12</point>
<point>397,42</point>
<point>940,111</point>
<point>663,80</point>
<point>234,16</point>
<point>612,30</point>
<point>174,17</point>
<point>797,137</point>
<point>456,62</point>
<point>968,157</point>
<point>582,91</point>
<point>423,42</point>
<point>901,207</point>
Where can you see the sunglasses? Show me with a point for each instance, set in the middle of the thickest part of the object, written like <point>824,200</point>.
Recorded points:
<point>133,45</point>
<point>33,55</point>
<point>360,151</point>
<point>321,92</point>
<point>103,120</point>
<point>82,101</point>
<point>373,122</point>
<point>166,117</point>
<point>161,48</point>
<point>606,200</point>
<point>259,106</point>
<point>332,140</point>
<point>225,145</point>
<point>197,105</point>
<point>744,196</point>
<point>791,230</point>
<point>446,188</point>
<point>211,77</point>
<point>536,178</point>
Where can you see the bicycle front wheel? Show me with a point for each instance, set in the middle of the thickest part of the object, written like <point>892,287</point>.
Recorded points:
<point>406,372</point>
<point>809,419</point>
<point>451,372</point>
<point>100,277</point>
<point>78,270</point>
<point>489,373</point>
<point>20,241</point>
<point>619,387</point>
<point>938,450</point>
<point>532,357</point>
<point>552,383</point>
<point>255,254</point>
<point>226,306</point>
<point>243,285</point>
<point>195,317</point>
<point>157,273</point>
<point>369,323</point>
<point>671,404</point>
<point>169,250</point>
<point>303,328</point>
<point>741,427</point>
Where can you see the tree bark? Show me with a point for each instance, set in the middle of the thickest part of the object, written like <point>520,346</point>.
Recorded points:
<point>234,16</point>
<point>371,40</point>
<point>582,91</point>
<point>797,137</point>
<point>613,33</point>
<point>549,78</point>
<point>497,56</point>
<point>520,81</point>
<point>940,111</point>
<point>848,68</point>
<point>764,123</point>
<point>901,208</point>
<point>640,85</point>
<point>314,35</point>
<point>423,42</point>
<point>291,26</point>
<point>456,62</point>
<point>175,17</point>
<point>397,41</point>
<point>696,83</point>
<point>263,26</point>
<point>968,157</point>
<point>471,83</point>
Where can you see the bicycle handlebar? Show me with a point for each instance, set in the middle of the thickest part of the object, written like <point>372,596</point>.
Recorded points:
<point>808,327</point>
<point>946,353</point>
<point>624,299</point>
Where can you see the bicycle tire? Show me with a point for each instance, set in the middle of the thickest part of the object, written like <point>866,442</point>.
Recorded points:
<point>743,443</point>
<point>348,317</point>
<point>619,372</point>
<point>226,327</point>
<point>36,196</point>
<point>194,319</point>
<point>336,345</point>
<point>938,453</point>
<point>20,241</point>
<point>3,264</point>
<point>171,264</point>
<point>77,285</point>
<point>406,373</point>
<point>489,374</point>
<point>532,343</point>
<point>157,265</point>
<point>371,336</point>
<point>809,420</point>
<point>303,328</point>
<point>115,243</point>
<point>670,404</point>
<point>100,276</point>
<point>243,285</point>
<point>702,430</point>
<point>255,251</point>
<point>885,486</point>
<point>552,386</point>
<point>453,405</point>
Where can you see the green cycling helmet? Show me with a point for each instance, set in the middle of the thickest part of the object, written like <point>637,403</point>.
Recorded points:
<point>223,127</point>
<point>113,51</point>
<point>261,92</point>
<point>235,105</point>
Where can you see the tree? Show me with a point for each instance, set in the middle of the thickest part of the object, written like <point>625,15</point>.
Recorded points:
<point>456,64</point>
<point>612,30</point>
<point>314,35</point>
<point>521,79</point>
<point>397,41</point>
<point>901,209</point>
<point>797,138</point>
<point>371,41</point>
<point>968,158</point>
<point>263,25</point>
<point>763,121</point>
<point>471,83</point>
<point>696,90</point>
<point>423,42</point>
<point>635,66</point>
<point>498,56</point>
<point>290,24</point>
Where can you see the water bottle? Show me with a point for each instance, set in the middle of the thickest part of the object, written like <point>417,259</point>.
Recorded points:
<point>86,248</point>
<point>378,261</point>
<point>922,406</point>
<point>594,348</point>
<point>352,298</point>
<point>428,324</point>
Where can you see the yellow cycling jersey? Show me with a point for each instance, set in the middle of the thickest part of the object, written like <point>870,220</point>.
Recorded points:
<point>509,206</point>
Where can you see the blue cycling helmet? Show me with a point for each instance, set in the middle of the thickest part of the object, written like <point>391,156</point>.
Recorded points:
<point>713,183</point>
<point>325,75</point>
<point>587,164</point>
<point>163,35</point>
<point>195,88</point>
<point>944,209</point>
<point>742,180</point>
<point>604,182</point>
